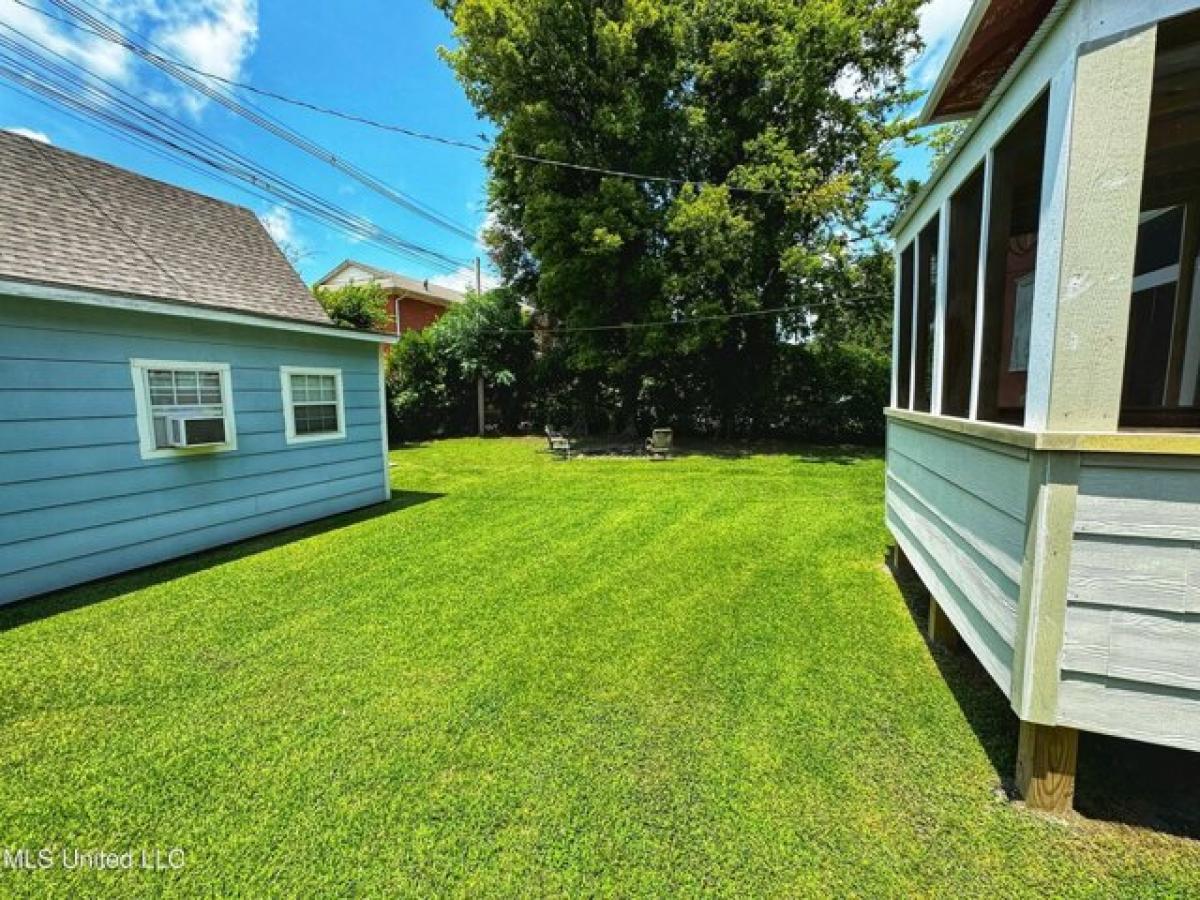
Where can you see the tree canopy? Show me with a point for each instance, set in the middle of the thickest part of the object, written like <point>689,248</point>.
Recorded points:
<point>432,372</point>
<point>362,306</point>
<point>771,125</point>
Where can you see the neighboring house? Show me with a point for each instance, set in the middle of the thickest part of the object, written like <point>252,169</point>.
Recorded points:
<point>412,304</point>
<point>169,384</point>
<point>1044,430</point>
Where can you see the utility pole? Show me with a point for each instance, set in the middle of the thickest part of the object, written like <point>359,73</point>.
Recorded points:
<point>479,383</point>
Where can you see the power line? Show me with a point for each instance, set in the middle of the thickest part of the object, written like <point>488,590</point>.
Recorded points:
<point>260,118</point>
<point>692,320</point>
<point>150,148</point>
<point>162,61</point>
<point>634,326</point>
<point>143,124</point>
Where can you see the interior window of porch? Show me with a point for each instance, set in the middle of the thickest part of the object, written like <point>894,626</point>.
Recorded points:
<point>1011,258</point>
<point>1162,350</point>
<point>962,280</point>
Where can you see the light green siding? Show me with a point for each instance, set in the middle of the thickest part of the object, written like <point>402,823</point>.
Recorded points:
<point>957,507</point>
<point>1131,653</point>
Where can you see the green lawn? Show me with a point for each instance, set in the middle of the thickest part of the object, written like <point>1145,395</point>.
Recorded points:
<point>526,677</point>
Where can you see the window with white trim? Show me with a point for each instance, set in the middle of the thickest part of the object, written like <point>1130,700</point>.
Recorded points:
<point>313,408</point>
<point>183,407</point>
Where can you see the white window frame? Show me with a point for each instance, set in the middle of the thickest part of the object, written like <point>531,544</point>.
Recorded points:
<point>145,413</point>
<point>289,410</point>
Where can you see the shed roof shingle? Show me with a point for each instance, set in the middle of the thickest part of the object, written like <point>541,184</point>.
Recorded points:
<point>73,221</point>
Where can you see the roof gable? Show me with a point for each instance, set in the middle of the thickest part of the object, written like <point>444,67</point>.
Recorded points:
<point>349,272</point>
<point>354,272</point>
<point>73,221</point>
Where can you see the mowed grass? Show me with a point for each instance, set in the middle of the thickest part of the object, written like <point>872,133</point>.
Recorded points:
<point>528,677</point>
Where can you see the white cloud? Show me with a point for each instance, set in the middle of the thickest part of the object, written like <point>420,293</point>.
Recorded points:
<point>464,279</point>
<point>490,221</point>
<point>940,24</point>
<point>216,36</point>
<point>849,84</point>
<point>279,224</point>
<point>30,133</point>
<point>100,56</point>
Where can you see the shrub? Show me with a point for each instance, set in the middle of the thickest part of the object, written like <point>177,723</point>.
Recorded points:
<point>361,306</point>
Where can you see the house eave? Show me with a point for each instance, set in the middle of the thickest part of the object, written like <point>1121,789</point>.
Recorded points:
<point>1018,64</point>
<point>928,114</point>
<point>133,303</point>
<point>406,294</point>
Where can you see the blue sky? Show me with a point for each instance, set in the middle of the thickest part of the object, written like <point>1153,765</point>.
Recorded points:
<point>377,58</point>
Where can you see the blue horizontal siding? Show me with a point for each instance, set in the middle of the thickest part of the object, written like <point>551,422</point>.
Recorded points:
<point>37,523</point>
<point>99,565</point>
<point>77,501</point>
<point>69,375</point>
<point>40,404</point>
<point>31,554</point>
<point>38,465</point>
<point>201,469</point>
<point>92,331</point>
<point>32,434</point>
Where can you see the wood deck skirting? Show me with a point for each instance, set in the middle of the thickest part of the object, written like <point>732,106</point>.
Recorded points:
<point>1166,443</point>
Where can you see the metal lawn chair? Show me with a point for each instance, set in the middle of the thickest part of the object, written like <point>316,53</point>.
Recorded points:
<point>559,443</point>
<point>658,445</point>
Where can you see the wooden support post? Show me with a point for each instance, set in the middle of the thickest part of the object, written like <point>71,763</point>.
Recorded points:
<point>941,630</point>
<point>1046,758</point>
<point>901,567</point>
<point>481,407</point>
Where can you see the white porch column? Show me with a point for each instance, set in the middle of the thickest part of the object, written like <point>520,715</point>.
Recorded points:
<point>937,379</point>
<point>1095,151</point>
<point>916,314</point>
<point>985,226</point>
<point>897,277</point>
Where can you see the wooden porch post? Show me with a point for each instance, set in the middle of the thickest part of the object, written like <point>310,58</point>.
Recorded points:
<point>985,231</point>
<point>941,629</point>
<point>900,565</point>
<point>1097,127</point>
<point>1046,758</point>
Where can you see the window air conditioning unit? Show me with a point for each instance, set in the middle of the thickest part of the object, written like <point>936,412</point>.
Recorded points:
<point>195,431</point>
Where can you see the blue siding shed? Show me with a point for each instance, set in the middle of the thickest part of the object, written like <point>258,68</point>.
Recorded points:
<point>77,499</point>
<point>167,382</point>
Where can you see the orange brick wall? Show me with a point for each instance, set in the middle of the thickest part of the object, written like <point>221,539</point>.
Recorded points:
<point>414,314</point>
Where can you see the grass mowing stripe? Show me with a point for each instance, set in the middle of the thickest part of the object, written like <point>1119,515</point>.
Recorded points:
<point>594,677</point>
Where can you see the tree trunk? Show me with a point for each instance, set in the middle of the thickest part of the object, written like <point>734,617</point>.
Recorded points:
<point>479,404</point>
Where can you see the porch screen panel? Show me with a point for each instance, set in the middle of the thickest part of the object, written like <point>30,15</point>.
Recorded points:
<point>926,296</point>
<point>1162,348</point>
<point>1010,267</point>
<point>966,210</point>
<point>904,316</point>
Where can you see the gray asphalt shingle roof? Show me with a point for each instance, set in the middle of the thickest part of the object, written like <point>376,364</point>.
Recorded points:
<point>73,221</point>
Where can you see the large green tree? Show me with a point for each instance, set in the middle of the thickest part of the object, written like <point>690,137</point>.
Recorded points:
<point>773,124</point>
